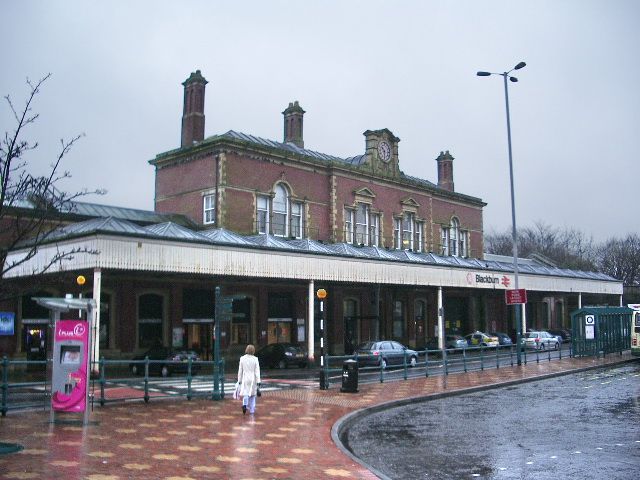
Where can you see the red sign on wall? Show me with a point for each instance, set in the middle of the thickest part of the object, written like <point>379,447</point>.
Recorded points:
<point>514,297</point>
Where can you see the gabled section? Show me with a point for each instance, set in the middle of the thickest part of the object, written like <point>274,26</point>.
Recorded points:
<point>174,231</point>
<point>381,151</point>
<point>269,241</point>
<point>364,192</point>
<point>364,195</point>
<point>221,235</point>
<point>409,203</point>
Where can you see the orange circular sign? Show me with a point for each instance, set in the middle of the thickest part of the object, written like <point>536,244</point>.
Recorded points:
<point>321,293</point>
<point>80,280</point>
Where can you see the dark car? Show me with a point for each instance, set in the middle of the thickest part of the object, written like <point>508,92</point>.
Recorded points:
<point>432,344</point>
<point>503,338</point>
<point>282,355</point>
<point>385,352</point>
<point>564,333</point>
<point>165,361</point>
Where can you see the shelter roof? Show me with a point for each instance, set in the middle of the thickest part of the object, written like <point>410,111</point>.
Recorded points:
<point>173,232</point>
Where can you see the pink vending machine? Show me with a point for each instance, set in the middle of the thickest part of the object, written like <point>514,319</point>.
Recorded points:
<point>69,383</point>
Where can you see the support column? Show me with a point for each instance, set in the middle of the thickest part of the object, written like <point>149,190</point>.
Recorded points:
<point>621,304</point>
<point>376,310</point>
<point>440,320</point>
<point>579,300</point>
<point>311,320</point>
<point>95,343</point>
<point>524,318</point>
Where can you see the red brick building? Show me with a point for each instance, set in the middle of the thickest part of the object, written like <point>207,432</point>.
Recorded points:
<point>251,185</point>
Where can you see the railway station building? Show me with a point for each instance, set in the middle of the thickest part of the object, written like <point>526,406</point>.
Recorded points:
<point>270,222</point>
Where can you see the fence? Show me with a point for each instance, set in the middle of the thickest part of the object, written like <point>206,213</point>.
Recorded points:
<point>438,362</point>
<point>25,386</point>
<point>601,330</point>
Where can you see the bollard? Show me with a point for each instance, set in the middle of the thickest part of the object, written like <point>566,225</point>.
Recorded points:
<point>102,381</point>
<point>324,374</point>
<point>5,386</point>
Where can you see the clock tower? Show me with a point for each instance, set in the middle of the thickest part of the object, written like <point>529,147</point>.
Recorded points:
<point>382,152</point>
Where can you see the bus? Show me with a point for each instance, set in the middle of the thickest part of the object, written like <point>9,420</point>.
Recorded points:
<point>635,328</point>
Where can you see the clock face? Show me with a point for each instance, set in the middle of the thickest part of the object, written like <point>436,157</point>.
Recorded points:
<point>384,151</point>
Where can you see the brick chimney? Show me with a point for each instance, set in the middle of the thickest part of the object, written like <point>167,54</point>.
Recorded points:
<point>193,110</point>
<point>293,124</point>
<point>445,171</point>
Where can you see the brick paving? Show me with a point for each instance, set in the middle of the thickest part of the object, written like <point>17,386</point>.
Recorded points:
<point>289,437</point>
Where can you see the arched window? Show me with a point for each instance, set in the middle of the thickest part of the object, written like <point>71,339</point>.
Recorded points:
<point>398,319</point>
<point>420,320</point>
<point>280,211</point>
<point>453,239</point>
<point>150,320</point>
<point>351,330</point>
<point>280,215</point>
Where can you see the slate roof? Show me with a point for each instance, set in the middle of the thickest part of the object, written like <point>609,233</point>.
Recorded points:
<point>172,231</point>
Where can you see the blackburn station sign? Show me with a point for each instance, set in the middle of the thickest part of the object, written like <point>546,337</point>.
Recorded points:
<point>484,279</point>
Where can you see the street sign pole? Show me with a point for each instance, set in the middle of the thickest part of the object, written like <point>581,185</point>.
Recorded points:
<point>517,297</point>
<point>216,345</point>
<point>223,313</point>
<point>324,381</point>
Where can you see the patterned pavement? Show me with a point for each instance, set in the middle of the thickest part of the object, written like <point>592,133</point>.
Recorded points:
<point>289,437</point>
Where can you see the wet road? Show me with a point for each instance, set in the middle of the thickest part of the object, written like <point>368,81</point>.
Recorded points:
<point>584,425</point>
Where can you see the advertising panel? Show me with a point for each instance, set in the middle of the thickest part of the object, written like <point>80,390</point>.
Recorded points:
<point>70,351</point>
<point>7,323</point>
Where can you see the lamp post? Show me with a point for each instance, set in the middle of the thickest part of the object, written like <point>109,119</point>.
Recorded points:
<point>514,231</point>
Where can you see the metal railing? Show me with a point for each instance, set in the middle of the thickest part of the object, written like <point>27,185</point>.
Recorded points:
<point>25,384</point>
<point>438,362</point>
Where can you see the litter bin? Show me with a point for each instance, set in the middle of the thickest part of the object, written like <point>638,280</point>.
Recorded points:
<point>349,376</point>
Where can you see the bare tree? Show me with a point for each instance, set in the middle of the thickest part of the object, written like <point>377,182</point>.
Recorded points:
<point>31,206</point>
<point>620,258</point>
<point>566,248</point>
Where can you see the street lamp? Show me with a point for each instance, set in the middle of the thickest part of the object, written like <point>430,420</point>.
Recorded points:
<point>514,232</point>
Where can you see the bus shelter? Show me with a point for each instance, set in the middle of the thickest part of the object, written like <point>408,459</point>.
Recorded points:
<point>600,330</point>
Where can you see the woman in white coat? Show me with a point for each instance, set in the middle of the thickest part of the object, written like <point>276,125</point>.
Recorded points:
<point>249,379</point>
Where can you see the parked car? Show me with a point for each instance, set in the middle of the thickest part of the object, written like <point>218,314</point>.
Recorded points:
<point>385,352</point>
<point>479,339</point>
<point>503,338</point>
<point>558,337</point>
<point>282,355</point>
<point>540,340</point>
<point>165,361</point>
<point>455,341</point>
<point>564,333</point>
<point>432,344</point>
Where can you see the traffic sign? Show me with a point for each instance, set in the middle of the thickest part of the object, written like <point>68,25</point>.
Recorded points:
<point>589,319</point>
<point>515,297</point>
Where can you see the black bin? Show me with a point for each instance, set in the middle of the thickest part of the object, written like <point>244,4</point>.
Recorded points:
<point>349,376</point>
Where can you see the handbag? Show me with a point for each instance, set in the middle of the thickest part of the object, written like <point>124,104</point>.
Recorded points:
<point>258,392</point>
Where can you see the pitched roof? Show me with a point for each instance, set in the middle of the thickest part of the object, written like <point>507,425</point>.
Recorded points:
<point>171,231</point>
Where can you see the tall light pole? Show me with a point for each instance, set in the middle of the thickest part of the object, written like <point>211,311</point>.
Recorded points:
<point>514,231</point>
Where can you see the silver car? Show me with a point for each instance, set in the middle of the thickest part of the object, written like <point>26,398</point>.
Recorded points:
<point>455,341</point>
<point>540,340</point>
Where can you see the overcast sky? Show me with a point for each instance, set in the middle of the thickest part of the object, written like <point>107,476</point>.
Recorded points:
<point>408,66</point>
